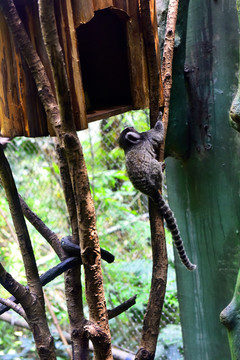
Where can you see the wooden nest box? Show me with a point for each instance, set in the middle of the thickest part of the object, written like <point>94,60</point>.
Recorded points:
<point>105,59</point>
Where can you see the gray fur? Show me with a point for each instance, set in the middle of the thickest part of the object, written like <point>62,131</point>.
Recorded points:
<point>145,173</point>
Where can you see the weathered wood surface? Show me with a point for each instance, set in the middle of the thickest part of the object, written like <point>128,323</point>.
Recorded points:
<point>21,113</point>
<point>69,44</point>
<point>84,11</point>
<point>20,110</point>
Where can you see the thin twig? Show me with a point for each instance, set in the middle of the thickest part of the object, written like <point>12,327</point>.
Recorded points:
<point>167,60</point>
<point>122,307</point>
<point>15,307</point>
<point>9,225</point>
<point>58,327</point>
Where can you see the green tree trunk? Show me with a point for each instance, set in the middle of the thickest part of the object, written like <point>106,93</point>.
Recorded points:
<point>203,187</point>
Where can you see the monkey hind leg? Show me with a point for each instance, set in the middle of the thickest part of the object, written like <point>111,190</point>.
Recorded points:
<point>172,226</point>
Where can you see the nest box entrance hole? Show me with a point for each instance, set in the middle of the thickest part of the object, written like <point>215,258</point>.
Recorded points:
<point>103,51</point>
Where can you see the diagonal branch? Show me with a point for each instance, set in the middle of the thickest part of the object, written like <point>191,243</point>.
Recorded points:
<point>48,276</point>
<point>15,307</point>
<point>35,314</point>
<point>42,228</point>
<point>122,307</point>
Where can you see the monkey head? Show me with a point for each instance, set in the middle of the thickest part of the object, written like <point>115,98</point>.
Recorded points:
<point>129,137</point>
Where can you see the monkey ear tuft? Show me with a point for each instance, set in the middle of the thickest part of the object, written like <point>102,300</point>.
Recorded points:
<point>133,137</point>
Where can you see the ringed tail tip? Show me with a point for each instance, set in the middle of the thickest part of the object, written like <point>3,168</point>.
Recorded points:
<point>192,267</point>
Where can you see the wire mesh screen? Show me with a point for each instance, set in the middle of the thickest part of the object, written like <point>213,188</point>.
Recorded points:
<point>122,223</point>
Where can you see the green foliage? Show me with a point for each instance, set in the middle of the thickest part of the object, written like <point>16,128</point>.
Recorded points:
<point>122,223</point>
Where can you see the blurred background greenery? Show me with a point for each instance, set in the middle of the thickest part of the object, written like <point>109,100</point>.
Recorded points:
<point>123,227</point>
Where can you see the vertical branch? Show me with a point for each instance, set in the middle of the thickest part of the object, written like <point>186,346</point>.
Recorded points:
<point>35,315</point>
<point>160,260</point>
<point>84,204</point>
<point>167,60</point>
<point>68,190</point>
<point>72,278</point>
<point>60,116</point>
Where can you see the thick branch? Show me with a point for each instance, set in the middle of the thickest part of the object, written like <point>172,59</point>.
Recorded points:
<point>118,353</point>
<point>55,54</point>
<point>65,131</point>
<point>48,276</point>
<point>84,204</point>
<point>158,287</point>
<point>160,261</point>
<point>100,340</point>
<point>15,288</point>
<point>35,314</point>
<point>68,190</point>
<point>72,278</point>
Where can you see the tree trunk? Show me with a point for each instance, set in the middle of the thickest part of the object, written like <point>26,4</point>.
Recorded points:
<point>203,187</point>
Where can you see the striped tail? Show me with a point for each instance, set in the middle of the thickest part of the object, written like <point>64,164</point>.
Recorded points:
<point>172,226</point>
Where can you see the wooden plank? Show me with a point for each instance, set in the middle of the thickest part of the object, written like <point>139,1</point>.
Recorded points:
<point>83,11</point>
<point>123,5</point>
<point>21,113</point>
<point>137,58</point>
<point>102,4</point>
<point>107,112</point>
<point>11,115</point>
<point>33,109</point>
<point>69,44</point>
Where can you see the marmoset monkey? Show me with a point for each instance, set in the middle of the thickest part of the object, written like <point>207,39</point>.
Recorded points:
<point>145,173</point>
